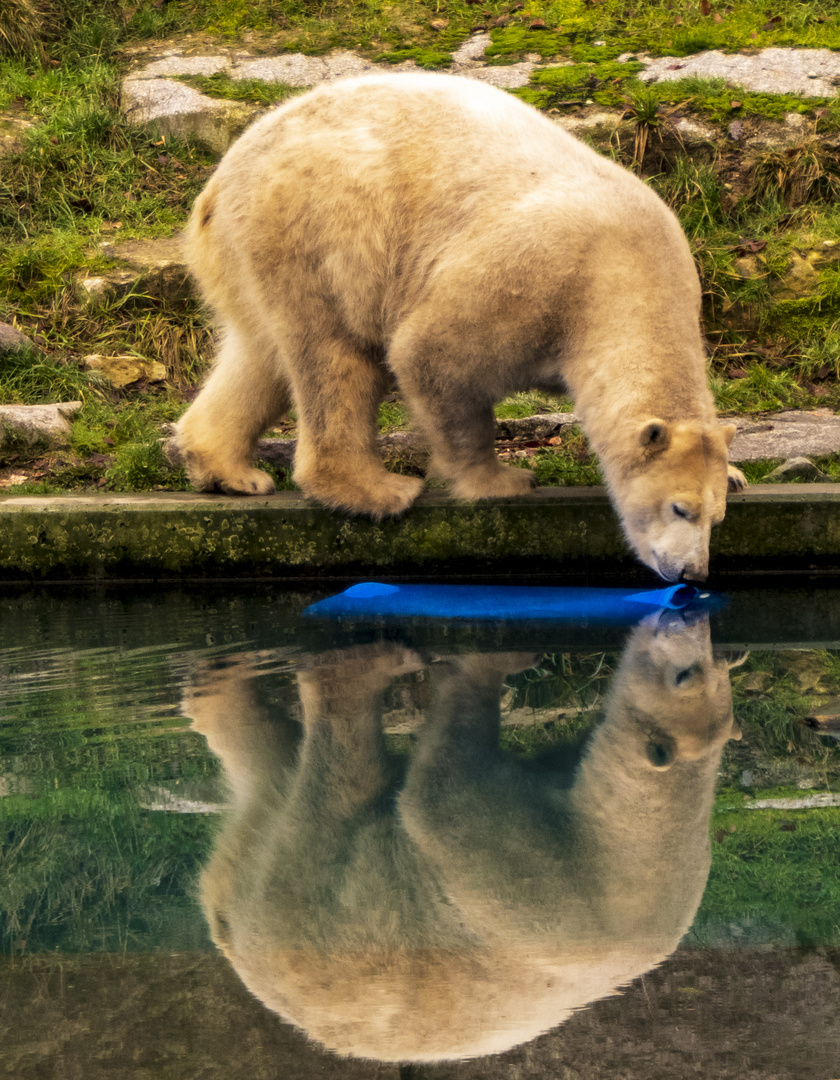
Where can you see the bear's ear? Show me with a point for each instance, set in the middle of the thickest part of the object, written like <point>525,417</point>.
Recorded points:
<point>728,432</point>
<point>655,436</point>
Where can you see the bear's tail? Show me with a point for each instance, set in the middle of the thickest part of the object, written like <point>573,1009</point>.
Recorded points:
<point>202,250</point>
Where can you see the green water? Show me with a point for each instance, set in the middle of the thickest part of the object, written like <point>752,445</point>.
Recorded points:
<point>362,802</point>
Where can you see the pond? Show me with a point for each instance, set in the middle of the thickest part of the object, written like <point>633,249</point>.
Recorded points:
<point>241,841</point>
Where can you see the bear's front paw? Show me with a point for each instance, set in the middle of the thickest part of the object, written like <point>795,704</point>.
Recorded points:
<point>737,481</point>
<point>366,490</point>
<point>500,482</point>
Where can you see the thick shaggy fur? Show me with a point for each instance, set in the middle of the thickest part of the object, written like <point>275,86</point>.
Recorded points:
<point>436,231</point>
<point>476,901</point>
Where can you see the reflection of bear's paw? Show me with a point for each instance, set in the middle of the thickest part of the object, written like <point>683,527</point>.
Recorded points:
<point>502,481</point>
<point>737,480</point>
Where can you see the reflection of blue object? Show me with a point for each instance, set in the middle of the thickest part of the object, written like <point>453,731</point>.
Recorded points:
<point>372,600</point>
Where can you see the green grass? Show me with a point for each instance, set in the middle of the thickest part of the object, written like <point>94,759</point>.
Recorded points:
<point>29,378</point>
<point>771,884</point>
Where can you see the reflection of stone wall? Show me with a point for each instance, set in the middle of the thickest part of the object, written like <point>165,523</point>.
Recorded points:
<point>715,1015</point>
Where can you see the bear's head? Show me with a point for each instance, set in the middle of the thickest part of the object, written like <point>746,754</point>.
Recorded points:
<point>673,493</point>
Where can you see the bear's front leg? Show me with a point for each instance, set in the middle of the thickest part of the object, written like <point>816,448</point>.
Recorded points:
<point>458,426</point>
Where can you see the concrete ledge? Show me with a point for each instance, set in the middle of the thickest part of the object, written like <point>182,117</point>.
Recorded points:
<point>571,532</point>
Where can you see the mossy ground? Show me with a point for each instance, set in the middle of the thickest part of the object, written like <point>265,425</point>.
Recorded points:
<point>82,175</point>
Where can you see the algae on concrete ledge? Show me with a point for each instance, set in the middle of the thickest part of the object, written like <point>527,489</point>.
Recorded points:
<point>570,532</point>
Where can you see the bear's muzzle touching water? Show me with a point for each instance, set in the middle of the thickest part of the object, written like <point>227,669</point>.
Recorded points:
<point>435,231</point>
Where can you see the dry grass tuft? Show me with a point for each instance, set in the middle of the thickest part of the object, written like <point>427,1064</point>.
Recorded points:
<point>808,172</point>
<point>24,24</point>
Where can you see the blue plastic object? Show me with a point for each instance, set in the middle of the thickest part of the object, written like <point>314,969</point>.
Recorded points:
<point>506,603</point>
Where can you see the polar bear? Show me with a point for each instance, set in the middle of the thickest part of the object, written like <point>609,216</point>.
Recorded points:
<point>471,901</point>
<point>436,231</point>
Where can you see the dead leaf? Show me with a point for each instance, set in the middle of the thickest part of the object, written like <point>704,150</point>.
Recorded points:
<point>717,17</point>
<point>439,24</point>
<point>772,22</point>
<point>736,130</point>
<point>735,104</point>
<point>13,478</point>
<point>537,24</point>
<point>705,7</point>
<point>501,21</point>
<point>737,373</point>
<point>678,20</point>
<point>675,67</point>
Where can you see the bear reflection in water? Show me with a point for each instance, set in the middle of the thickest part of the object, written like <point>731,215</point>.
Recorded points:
<point>468,901</point>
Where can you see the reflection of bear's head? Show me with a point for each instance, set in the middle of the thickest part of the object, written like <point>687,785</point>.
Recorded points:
<point>674,696</point>
<point>474,901</point>
<point>670,490</point>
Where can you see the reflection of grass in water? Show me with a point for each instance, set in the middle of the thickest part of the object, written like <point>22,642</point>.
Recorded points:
<point>568,680</point>
<point>772,882</point>
<point>104,876</point>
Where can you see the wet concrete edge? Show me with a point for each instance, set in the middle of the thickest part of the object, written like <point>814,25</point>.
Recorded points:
<point>572,532</point>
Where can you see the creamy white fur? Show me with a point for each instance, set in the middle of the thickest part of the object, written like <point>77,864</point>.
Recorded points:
<point>437,231</point>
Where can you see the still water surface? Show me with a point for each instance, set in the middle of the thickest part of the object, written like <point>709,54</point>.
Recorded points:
<point>237,842</point>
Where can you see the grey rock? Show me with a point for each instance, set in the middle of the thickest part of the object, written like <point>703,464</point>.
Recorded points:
<point>797,468</point>
<point>472,51</point>
<point>736,130</point>
<point>48,425</point>
<point>12,340</point>
<point>148,267</point>
<point>808,802</point>
<point>786,435</point>
<point>506,77</point>
<point>807,72</point>
<point>12,128</point>
<point>172,109</point>
<point>598,126</point>
<point>176,64</point>
<point>695,133</point>
<point>542,426</point>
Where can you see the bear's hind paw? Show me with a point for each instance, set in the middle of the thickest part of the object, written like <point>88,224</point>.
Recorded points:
<point>502,481</point>
<point>246,482</point>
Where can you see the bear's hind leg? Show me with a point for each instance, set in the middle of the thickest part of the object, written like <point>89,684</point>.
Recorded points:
<point>457,424</point>
<point>337,394</point>
<point>217,436</point>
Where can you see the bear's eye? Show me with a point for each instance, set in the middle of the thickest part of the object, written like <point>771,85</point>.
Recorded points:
<point>681,511</point>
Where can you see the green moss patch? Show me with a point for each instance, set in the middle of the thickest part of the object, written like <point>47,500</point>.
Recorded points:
<point>253,91</point>
<point>424,58</point>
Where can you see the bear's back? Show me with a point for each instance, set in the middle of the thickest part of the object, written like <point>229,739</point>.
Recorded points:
<point>418,145</point>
